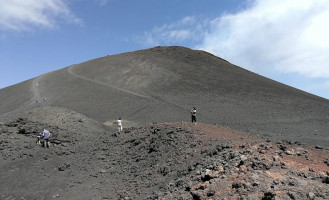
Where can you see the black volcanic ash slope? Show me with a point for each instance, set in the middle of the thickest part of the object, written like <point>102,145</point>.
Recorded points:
<point>163,83</point>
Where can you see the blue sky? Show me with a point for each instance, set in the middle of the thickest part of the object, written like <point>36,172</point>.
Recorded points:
<point>285,40</point>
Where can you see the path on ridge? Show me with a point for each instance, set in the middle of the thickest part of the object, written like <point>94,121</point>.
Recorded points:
<point>157,99</point>
<point>35,87</point>
<point>103,84</point>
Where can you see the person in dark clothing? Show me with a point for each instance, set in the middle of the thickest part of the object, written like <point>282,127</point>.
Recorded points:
<point>193,115</point>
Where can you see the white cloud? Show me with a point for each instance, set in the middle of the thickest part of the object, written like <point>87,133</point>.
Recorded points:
<point>284,35</point>
<point>22,15</point>
<point>286,40</point>
<point>187,29</point>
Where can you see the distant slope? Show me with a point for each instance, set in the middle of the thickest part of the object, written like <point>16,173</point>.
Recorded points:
<point>163,83</point>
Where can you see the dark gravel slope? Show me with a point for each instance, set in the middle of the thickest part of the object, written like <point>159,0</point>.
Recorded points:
<point>163,83</point>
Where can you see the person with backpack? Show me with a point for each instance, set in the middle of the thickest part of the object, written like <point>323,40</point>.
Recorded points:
<point>193,115</point>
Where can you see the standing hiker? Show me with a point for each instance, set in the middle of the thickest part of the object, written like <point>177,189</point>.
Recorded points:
<point>119,122</point>
<point>193,115</point>
<point>46,135</point>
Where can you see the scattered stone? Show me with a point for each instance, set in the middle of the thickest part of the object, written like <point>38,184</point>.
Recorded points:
<point>325,180</point>
<point>289,152</point>
<point>164,170</point>
<point>247,152</point>
<point>262,151</point>
<point>311,196</point>
<point>268,196</point>
<point>276,158</point>
<point>211,193</point>
<point>237,185</point>
<point>326,161</point>
<point>101,157</point>
<point>181,184</point>
<point>220,169</point>
<point>22,131</point>
<point>196,195</point>
<point>243,169</point>
<point>298,153</point>
<point>291,195</point>
<point>64,167</point>
<point>243,158</point>
<point>210,174</point>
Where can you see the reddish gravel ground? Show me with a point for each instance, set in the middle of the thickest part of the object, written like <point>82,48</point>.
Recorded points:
<point>263,170</point>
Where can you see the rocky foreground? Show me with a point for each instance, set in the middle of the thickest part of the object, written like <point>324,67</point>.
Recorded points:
<point>88,160</point>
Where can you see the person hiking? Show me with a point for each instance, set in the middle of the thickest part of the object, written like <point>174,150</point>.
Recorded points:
<point>46,135</point>
<point>39,138</point>
<point>193,115</point>
<point>119,122</point>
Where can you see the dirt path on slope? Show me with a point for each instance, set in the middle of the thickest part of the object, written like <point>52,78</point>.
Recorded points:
<point>151,98</point>
<point>103,84</point>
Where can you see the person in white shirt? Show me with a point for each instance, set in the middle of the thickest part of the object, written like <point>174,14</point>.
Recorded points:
<point>119,122</point>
